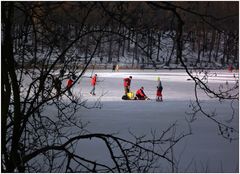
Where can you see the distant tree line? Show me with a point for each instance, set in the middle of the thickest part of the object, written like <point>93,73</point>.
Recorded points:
<point>138,33</point>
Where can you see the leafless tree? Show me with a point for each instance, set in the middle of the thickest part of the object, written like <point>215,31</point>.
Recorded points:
<point>34,140</point>
<point>227,92</point>
<point>35,46</point>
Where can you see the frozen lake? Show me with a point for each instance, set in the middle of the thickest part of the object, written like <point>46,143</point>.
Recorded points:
<point>203,151</point>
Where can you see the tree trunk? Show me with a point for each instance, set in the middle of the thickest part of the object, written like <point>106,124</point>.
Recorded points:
<point>136,48</point>
<point>217,46</point>
<point>129,36</point>
<point>119,48</point>
<point>230,46</point>
<point>149,47</point>
<point>193,40</point>
<point>13,161</point>
<point>110,49</point>
<point>100,46</point>
<point>236,55</point>
<point>123,44</point>
<point>211,46</point>
<point>199,47</point>
<point>179,41</point>
<point>172,51</point>
<point>159,45</point>
<point>224,50</point>
<point>203,42</point>
<point>86,47</point>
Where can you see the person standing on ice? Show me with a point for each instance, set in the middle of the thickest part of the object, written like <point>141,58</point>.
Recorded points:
<point>57,86</point>
<point>117,68</point>
<point>230,68</point>
<point>69,85</point>
<point>127,83</point>
<point>62,72</point>
<point>114,67</point>
<point>159,90</point>
<point>141,95</point>
<point>93,82</point>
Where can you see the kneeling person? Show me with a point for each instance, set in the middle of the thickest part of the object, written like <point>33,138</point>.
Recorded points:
<point>141,95</point>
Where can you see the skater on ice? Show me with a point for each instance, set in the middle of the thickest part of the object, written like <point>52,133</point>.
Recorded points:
<point>141,95</point>
<point>127,83</point>
<point>93,83</point>
<point>57,86</point>
<point>62,72</point>
<point>69,85</point>
<point>114,68</point>
<point>117,68</point>
<point>159,90</point>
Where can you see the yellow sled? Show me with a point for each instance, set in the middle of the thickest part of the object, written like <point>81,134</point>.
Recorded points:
<point>129,96</point>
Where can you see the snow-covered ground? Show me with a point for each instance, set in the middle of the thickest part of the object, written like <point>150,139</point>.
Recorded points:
<point>205,148</point>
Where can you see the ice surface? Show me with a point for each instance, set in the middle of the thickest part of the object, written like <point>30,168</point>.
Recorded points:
<point>205,147</point>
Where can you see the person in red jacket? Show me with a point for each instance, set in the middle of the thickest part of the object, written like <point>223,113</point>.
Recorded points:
<point>127,83</point>
<point>93,83</point>
<point>69,85</point>
<point>141,95</point>
<point>159,90</point>
<point>230,68</point>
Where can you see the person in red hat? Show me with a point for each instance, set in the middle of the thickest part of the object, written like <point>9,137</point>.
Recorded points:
<point>127,83</point>
<point>141,95</point>
<point>93,82</point>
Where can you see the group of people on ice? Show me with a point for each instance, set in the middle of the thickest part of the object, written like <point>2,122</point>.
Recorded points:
<point>140,94</point>
<point>70,83</point>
